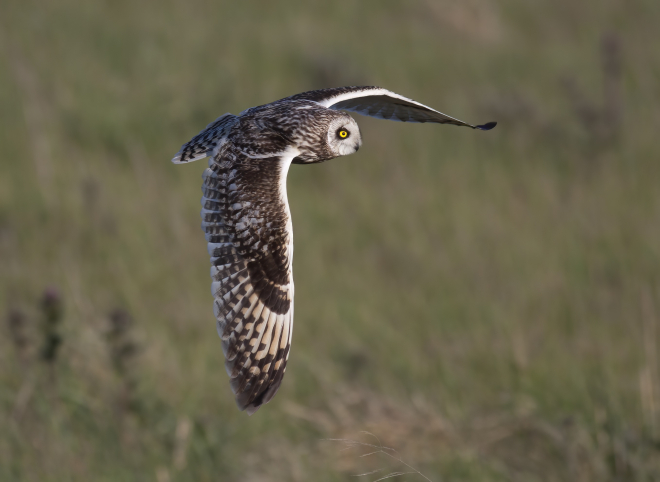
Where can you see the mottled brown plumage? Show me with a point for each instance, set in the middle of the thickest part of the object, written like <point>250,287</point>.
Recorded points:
<point>246,218</point>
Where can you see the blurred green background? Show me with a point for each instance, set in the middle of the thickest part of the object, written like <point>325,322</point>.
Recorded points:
<point>487,303</point>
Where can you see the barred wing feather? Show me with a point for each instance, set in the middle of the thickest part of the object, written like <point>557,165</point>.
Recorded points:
<point>247,223</point>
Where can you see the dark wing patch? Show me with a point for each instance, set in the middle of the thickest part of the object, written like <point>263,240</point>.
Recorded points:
<point>248,229</point>
<point>202,145</point>
<point>382,104</point>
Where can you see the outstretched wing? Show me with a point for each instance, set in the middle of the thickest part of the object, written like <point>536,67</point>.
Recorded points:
<point>204,143</point>
<point>246,218</point>
<point>382,104</point>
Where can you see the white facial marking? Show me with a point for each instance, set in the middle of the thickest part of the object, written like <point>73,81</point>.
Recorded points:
<point>344,136</point>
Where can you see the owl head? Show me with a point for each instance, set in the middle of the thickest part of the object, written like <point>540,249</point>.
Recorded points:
<point>343,136</point>
<point>321,134</point>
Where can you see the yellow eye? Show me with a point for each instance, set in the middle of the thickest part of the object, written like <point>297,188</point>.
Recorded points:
<point>343,133</point>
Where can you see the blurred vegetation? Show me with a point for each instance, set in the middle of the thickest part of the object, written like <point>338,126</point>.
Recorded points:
<point>486,303</point>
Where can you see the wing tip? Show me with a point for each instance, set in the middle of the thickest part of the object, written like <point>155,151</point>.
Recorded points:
<point>251,409</point>
<point>486,127</point>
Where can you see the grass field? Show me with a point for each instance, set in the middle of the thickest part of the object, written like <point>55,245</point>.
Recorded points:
<point>486,303</point>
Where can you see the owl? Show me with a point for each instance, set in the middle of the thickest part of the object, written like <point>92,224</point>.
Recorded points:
<point>246,218</point>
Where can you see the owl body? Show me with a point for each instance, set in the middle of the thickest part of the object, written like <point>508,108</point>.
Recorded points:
<point>247,222</point>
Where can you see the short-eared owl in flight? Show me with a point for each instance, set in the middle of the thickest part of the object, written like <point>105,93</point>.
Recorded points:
<point>246,218</point>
